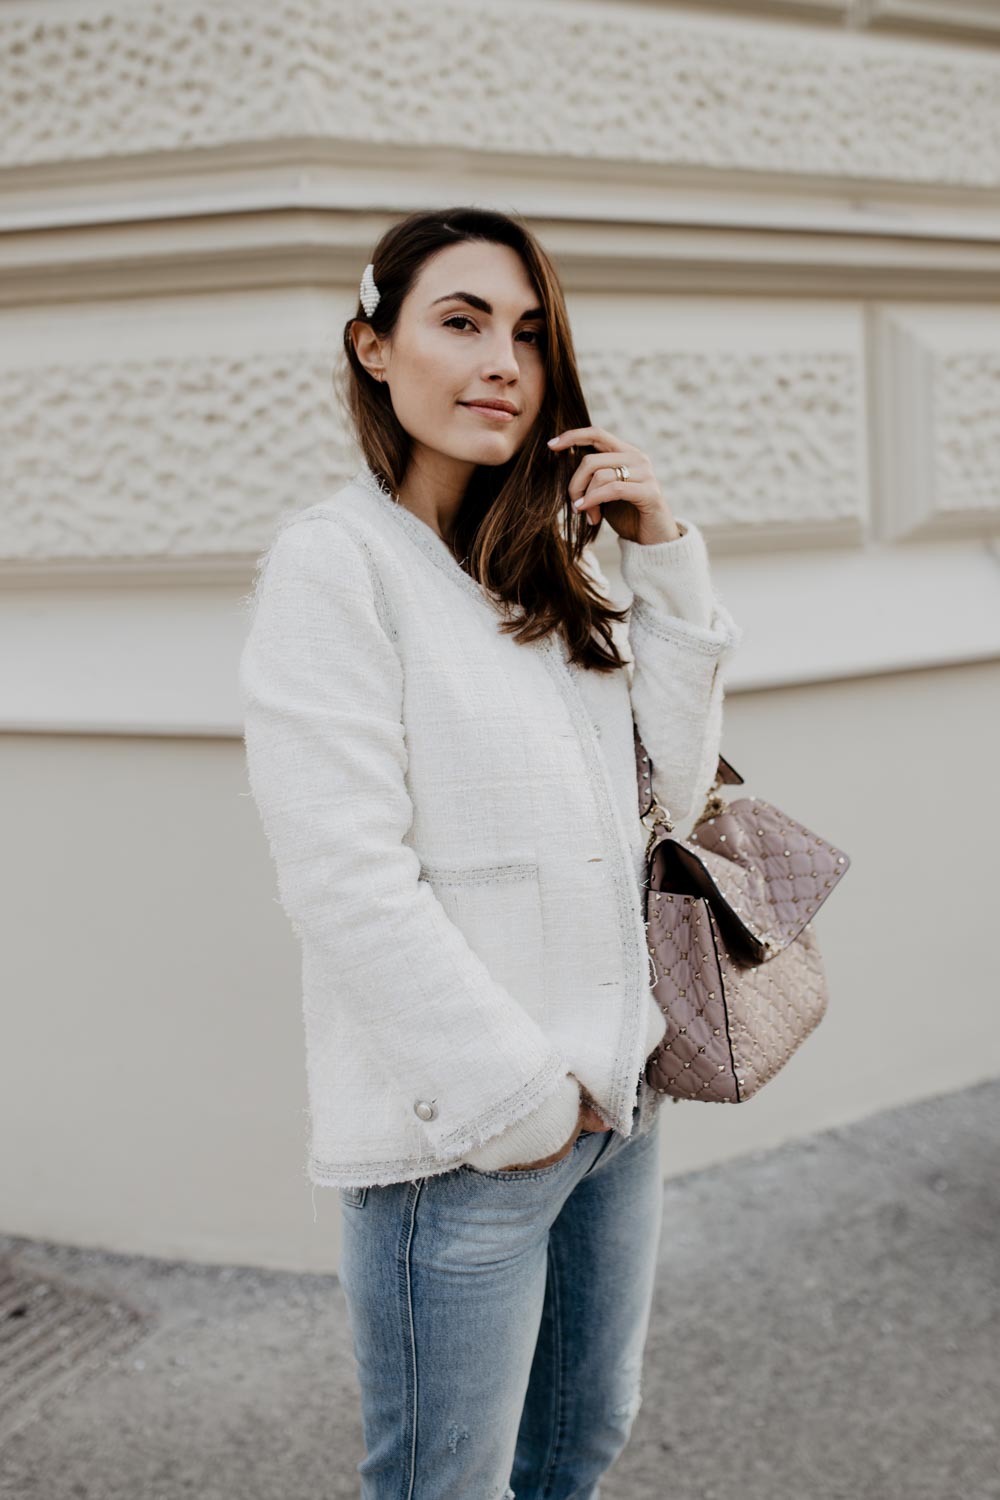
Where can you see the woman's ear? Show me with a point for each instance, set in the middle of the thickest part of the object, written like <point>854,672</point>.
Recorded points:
<point>368,348</point>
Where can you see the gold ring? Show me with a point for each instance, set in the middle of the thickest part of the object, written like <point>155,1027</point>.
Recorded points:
<point>621,471</point>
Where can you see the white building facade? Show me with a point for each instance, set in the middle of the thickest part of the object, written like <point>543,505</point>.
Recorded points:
<point>779,230</point>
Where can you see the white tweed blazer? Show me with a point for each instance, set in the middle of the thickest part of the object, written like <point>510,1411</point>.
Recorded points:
<point>453,820</point>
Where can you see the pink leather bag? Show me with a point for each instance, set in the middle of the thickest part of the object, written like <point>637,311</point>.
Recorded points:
<point>729,926</point>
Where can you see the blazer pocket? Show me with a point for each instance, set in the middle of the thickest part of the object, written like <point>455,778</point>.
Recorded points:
<point>498,910</point>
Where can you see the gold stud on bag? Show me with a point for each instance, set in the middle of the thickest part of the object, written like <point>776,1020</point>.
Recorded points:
<point>728,914</point>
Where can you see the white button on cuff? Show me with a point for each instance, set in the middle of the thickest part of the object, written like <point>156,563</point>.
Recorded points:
<point>425,1108</point>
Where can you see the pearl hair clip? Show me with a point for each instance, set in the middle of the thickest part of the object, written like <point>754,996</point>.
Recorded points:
<point>370,293</point>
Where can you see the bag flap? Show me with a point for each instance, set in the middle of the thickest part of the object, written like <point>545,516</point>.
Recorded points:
<point>764,874</point>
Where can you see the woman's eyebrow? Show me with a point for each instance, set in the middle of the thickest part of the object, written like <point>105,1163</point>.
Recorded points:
<point>482,304</point>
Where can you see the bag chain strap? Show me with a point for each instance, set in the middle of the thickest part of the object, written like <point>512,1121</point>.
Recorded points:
<point>714,804</point>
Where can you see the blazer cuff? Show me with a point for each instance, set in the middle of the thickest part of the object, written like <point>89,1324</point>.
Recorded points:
<point>673,577</point>
<point>536,1135</point>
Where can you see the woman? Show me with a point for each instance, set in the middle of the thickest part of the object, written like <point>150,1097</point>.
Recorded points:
<point>439,710</point>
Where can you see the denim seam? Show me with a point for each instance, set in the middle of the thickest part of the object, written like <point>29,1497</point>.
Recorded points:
<point>406,1285</point>
<point>548,1473</point>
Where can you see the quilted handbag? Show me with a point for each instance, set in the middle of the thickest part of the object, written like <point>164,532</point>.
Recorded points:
<point>728,914</point>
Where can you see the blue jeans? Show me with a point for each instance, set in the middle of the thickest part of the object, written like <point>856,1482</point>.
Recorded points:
<point>499,1320</point>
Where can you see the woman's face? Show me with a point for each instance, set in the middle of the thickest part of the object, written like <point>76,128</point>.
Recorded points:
<point>449,350</point>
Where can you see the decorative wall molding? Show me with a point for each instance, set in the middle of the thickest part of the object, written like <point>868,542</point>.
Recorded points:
<point>938,376</point>
<point>193,458</point>
<point>196,457</point>
<point>701,242</point>
<point>162,661</point>
<point>172,458</point>
<point>966,18</point>
<point>710,92</point>
<point>753,445</point>
<point>967,436</point>
<point>804,10</point>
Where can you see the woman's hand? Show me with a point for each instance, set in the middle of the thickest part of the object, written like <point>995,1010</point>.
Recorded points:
<point>634,506</point>
<point>588,1119</point>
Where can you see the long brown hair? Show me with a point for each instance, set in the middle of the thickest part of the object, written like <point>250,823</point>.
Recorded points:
<point>516,525</point>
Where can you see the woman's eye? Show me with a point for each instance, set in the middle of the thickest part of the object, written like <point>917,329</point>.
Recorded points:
<point>534,333</point>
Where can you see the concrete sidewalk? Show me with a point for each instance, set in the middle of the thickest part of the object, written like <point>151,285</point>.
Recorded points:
<point>827,1327</point>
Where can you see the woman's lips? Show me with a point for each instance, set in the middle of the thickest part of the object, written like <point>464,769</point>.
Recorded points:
<point>496,412</point>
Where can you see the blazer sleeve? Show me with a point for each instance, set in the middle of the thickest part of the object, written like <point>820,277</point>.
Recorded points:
<point>321,685</point>
<point>680,636</point>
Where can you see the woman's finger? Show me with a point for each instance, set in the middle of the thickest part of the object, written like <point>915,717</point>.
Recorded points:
<point>636,463</point>
<point>597,437</point>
